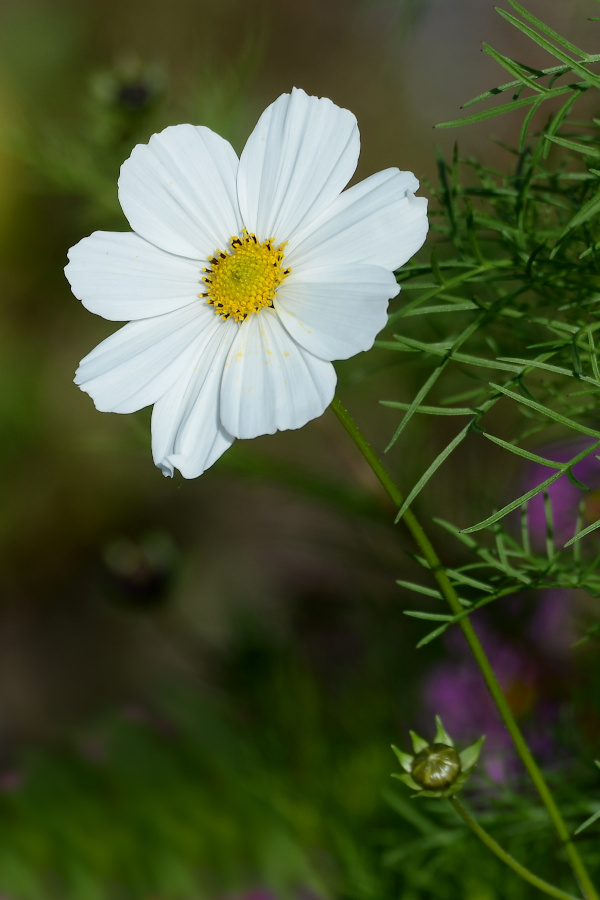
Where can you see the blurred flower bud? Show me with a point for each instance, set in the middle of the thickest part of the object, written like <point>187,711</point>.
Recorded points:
<point>436,769</point>
<point>141,570</point>
<point>130,85</point>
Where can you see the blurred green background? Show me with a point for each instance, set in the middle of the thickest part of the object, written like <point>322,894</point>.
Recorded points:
<point>199,680</point>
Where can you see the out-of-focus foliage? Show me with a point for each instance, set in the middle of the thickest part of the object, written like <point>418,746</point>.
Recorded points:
<point>290,791</point>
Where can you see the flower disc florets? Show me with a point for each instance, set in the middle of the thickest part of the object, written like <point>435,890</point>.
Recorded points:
<point>437,769</point>
<point>245,279</point>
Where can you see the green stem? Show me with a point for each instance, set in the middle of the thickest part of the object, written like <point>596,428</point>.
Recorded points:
<point>447,590</point>
<point>506,857</point>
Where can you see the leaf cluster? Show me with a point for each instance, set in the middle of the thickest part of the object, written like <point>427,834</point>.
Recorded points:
<point>508,566</point>
<point>531,87</point>
<point>503,320</point>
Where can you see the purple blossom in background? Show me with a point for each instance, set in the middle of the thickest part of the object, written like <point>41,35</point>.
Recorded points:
<point>564,495</point>
<point>455,690</point>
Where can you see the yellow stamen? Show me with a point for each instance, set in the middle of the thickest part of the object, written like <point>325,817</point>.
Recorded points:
<point>244,279</point>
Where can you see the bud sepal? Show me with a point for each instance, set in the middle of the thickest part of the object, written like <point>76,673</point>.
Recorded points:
<point>437,769</point>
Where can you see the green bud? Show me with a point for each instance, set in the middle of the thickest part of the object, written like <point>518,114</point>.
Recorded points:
<point>436,769</point>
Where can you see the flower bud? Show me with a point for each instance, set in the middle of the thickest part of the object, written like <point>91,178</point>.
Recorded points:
<point>437,769</point>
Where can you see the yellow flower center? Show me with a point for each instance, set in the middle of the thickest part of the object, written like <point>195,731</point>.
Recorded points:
<point>244,279</point>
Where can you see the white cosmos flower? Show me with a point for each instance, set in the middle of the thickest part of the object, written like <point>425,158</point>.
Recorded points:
<point>243,278</point>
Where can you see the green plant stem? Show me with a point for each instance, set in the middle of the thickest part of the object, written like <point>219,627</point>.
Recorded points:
<point>447,590</point>
<point>506,857</point>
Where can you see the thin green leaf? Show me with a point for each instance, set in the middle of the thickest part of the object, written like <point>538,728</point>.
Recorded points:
<point>592,633</point>
<point>447,195</point>
<point>575,66</point>
<point>433,617</point>
<point>472,235</point>
<point>593,357</point>
<point>488,560</point>
<point>471,274</point>
<point>412,409</point>
<point>575,481</point>
<point>527,122</point>
<point>590,250</point>
<point>432,635</point>
<point>395,345</point>
<point>550,413</point>
<point>417,285</point>
<point>458,576</point>
<point>548,367</point>
<point>420,589</point>
<point>541,487</point>
<point>575,146</point>
<point>502,109</point>
<point>583,533</point>
<point>442,308</point>
<point>526,454</point>
<point>545,29</point>
<point>440,458</point>
<point>469,542</point>
<point>551,324</point>
<point>432,410</point>
<point>558,119</point>
<point>491,520</point>
<point>501,551</point>
<point>576,357</point>
<point>442,628</point>
<point>515,69</point>
<point>587,211</point>
<point>441,348</point>
<point>511,85</point>
<point>587,822</point>
<point>444,349</point>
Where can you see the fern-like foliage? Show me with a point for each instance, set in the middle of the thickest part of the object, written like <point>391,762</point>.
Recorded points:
<point>504,317</point>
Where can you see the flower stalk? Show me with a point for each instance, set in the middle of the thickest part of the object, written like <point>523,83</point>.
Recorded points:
<point>479,654</point>
<point>505,857</point>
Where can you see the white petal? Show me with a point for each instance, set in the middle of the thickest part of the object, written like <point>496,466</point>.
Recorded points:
<point>377,221</point>
<point>270,383</point>
<point>301,154</point>
<point>140,362</point>
<point>186,429</point>
<point>178,191</point>
<point>122,277</point>
<point>337,311</point>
